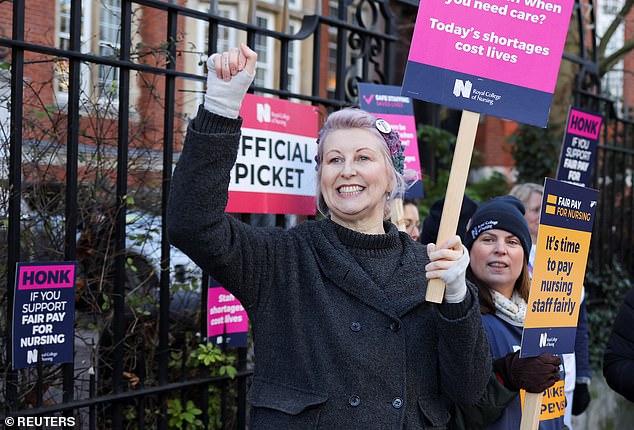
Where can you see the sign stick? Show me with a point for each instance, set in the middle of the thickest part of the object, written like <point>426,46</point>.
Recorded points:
<point>455,192</point>
<point>398,214</point>
<point>531,411</point>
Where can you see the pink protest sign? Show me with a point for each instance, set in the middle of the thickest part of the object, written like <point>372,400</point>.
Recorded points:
<point>275,169</point>
<point>385,102</point>
<point>43,276</point>
<point>227,321</point>
<point>499,57</point>
<point>43,314</point>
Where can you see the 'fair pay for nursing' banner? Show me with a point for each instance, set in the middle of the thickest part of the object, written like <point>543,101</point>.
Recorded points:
<point>579,147</point>
<point>275,169</point>
<point>498,57</point>
<point>563,243</point>
<point>43,314</point>
<point>386,101</point>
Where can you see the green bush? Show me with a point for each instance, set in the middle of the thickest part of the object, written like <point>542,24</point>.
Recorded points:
<point>441,144</point>
<point>536,152</point>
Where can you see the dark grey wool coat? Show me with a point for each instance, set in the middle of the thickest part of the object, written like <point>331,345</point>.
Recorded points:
<point>333,350</point>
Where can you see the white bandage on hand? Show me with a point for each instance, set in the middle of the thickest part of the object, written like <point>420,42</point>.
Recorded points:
<point>225,98</point>
<point>455,279</point>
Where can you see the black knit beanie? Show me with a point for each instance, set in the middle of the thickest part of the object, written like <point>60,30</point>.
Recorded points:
<point>502,213</point>
<point>429,231</point>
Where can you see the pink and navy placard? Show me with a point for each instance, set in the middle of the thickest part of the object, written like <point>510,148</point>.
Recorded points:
<point>227,321</point>
<point>579,147</point>
<point>43,314</point>
<point>386,101</point>
<point>497,57</point>
<point>275,169</point>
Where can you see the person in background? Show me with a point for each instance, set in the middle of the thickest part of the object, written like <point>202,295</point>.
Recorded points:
<point>411,218</point>
<point>578,373</point>
<point>429,231</point>
<point>343,336</point>
<point>618,358</point>
<point>499,242</point>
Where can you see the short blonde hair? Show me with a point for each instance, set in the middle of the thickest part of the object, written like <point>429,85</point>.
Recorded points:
<point>524,191</point>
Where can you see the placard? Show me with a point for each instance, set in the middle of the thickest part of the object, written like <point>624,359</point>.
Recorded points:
<point>563,244</point>
<point>497,57</point>
<point>386,101</point>
<point>579,147</point>
<point>227,321</point>
<point>43,314</point>
<point>275,169</point>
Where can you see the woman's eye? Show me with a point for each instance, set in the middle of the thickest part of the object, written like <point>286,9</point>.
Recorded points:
<point>335,160</point>
<point>363,158</point>
<point>514,242</point>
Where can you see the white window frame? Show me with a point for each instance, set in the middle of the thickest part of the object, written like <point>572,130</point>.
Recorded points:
<point>295,4</point>
<point>60,95</point>
<point>295,54</point>
<point>227,36</point>
<point>266,66</point>
<point>115,44</point>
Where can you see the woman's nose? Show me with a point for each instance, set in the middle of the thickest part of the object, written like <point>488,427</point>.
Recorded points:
<point>500,247</point>
<point>348,170</point>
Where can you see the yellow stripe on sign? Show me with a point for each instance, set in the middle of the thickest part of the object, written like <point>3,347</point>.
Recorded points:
<point>550,209</point>
<point>552,199</point>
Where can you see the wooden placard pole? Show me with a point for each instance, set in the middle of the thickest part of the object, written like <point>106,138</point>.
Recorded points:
<point>531,411</point>
<point>455,192</point>
<point>398,214</point>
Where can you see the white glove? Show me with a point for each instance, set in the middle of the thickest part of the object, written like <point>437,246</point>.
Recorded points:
<point>455,279</point>
<point>222,97</point>
<point>454,275</point>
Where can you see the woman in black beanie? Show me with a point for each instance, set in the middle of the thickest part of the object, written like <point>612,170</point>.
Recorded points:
<point>499,243</point>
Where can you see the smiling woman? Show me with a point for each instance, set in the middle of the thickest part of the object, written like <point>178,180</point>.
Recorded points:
<point>499,242</point>
<point>330,299</point>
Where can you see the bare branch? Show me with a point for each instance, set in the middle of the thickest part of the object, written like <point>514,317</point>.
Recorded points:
<point>605,64</point>
<point>614,25</point>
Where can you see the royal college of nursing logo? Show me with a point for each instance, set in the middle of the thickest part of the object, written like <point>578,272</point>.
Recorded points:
<point>545,341</point>
<point>263,112</point>
<point>462,88</point>
<point>465,90</point>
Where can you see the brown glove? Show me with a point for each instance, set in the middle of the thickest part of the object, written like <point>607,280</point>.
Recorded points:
<point>533,374</point>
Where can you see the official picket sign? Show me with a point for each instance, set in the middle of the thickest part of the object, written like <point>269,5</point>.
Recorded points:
<point>386,101</point>
<point>579,147</point>
<point>563,244</point>
<point>275,169</point>
<point>43,314</point>
<point>227,321</point>
<point>498,57</point>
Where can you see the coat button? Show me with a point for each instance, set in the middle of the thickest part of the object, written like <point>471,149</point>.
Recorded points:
<point>354,401</point>
<point>355,326</point>
<point>397,403</point>
<point>395,326</point>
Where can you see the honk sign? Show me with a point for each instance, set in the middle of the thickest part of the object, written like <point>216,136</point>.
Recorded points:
<point>563,244</point>
<point>43,314</point>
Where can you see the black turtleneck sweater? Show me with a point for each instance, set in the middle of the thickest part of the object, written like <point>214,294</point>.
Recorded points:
<point>377,254</point>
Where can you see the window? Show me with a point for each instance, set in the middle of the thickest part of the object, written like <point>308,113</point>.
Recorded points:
<point>104,81</point>
<point>295,4</point>
<point>294,59</point>
<point>227,35</point>
<point>264,47</point>
<point>109,20</point>
<point>63,42</point>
